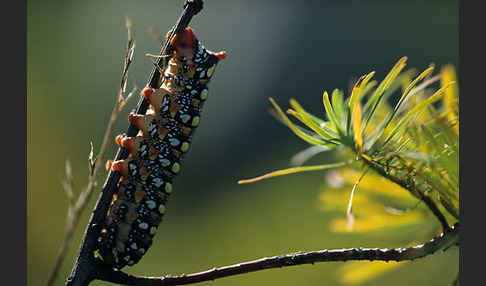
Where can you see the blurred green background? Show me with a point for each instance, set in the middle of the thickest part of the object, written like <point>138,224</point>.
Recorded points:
<point>282,49</point>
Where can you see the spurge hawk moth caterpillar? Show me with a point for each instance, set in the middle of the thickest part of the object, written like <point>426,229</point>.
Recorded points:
<point>138,204</point>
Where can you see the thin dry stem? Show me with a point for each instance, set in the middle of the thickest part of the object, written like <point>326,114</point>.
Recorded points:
<point>76,209</point>
<point>441,242</point>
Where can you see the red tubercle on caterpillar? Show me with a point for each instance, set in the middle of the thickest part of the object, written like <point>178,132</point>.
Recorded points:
<point>120,166</point>
<point>119,138</point>
<point>128,143</point>
<point>184,39</point>
<point>147,92</point>
<point>187,40</point>
<point>220,55</point>
<point>137,120</point>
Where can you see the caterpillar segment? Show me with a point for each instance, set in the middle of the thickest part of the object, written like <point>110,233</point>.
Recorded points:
<point>139,203</point>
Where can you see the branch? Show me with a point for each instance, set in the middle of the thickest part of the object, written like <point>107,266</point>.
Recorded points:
<point>443,241</point>
<point>423,197</point>
<point>86,268</point>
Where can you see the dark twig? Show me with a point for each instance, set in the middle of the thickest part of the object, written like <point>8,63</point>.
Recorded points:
<point>441,242</point>
<point>86,268</point>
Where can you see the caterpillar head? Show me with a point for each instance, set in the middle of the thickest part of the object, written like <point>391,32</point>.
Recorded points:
<point>186,44</point>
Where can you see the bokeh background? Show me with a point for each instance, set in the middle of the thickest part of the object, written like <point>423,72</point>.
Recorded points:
<point>283,49</point>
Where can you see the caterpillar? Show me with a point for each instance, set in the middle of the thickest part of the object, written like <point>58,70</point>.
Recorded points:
<point>139,202</point>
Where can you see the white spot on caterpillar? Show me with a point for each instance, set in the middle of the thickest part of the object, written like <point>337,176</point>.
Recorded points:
<point>158,182</point>
<point>185,146</point>
<point>152,127</point>
<point>153,229</point>
<point>131,262</point>
<point>151,204</point>
<point>211,70</point>
<point>143,225</point>
<point>185,117</point>
<point>204,94</point>
<point>134,246</point>
<point>168,188</point>
<point>161,209</point>
<point>126,258</point>
<point>176,167</point>
<point>174,141</point>
<point>195,121</point>
<point>165,162</point>
<point>141,250</point>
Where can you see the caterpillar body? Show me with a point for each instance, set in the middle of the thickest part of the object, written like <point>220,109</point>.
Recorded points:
<point>139,203</point>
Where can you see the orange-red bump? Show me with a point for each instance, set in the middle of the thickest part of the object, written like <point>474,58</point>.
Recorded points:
<point>147,92</point>
<point>119,138</point>
<point>120,166</point>
<point>220,55</point>
<point>136,119</point>
<point>186,37</point>
<point>127,142</point>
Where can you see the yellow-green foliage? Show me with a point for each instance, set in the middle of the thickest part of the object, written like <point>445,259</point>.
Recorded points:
<point>413,143</point>
<point>393,156</point>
